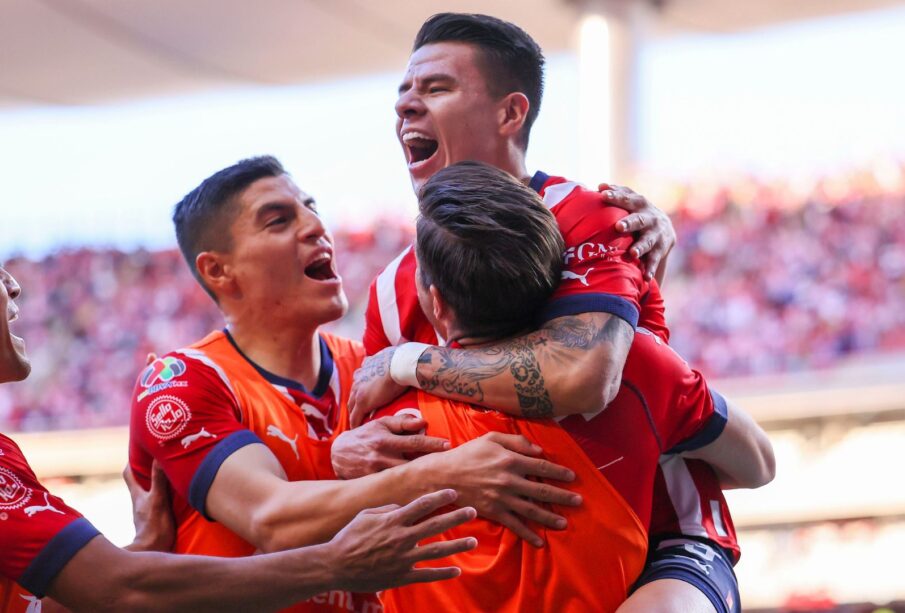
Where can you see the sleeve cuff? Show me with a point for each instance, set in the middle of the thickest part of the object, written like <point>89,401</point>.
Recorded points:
<point>56,554</point>
<point>591,303</point>
<point>711,430</point>
<point>204,476</point>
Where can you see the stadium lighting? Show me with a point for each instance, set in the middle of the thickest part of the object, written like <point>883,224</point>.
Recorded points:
<point>594,103</point>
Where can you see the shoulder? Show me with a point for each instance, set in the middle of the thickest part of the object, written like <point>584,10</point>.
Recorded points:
<point>344,349</point>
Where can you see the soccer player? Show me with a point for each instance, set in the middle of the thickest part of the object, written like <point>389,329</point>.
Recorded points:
<point>242,421</point>
<point>472,90</point>
<point>473,218</point>
<point>48,548</point>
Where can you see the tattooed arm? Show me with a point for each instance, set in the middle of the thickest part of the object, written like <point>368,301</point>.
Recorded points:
<point>573,364</point>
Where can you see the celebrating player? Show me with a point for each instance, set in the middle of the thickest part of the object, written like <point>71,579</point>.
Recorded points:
<point>663,407</point>
<point>472,90</point>
<point>49,548</point>
<point>243,420</point>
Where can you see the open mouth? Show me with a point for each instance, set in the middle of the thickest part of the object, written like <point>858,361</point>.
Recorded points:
<point>321,269</point>
<point>420,147</point>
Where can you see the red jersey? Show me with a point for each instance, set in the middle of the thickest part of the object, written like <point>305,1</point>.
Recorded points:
<point>394,316</point>
<point>39,533</point>
<point>195,407</point>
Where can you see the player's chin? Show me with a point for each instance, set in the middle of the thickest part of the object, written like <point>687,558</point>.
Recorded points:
<point>14,362</point>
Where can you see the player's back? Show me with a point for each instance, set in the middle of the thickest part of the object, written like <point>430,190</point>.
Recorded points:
<point>587,567</point>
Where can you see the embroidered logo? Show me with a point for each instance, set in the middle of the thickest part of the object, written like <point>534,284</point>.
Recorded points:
<point>13,494</point>
<point>292,442</point>
<point>160,375</point>
<point>34,510</point>
<point>191,438</point>
<point>167,417</point>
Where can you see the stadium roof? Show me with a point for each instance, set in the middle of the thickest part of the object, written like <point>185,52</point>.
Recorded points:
<point>75,52</point>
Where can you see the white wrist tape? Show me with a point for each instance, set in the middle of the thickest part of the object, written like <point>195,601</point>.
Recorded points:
<point>404,365</point>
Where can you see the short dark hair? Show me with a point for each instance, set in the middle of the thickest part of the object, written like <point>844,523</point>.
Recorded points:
<point>512,61</point>
<point>202,218</point>
<point>489,245</point>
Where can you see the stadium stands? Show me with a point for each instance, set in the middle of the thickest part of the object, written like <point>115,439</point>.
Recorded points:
<point>758,284</point>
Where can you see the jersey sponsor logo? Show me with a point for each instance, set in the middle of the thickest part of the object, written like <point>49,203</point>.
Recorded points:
<point>191,438</point>
<point>39,508</point>
<point>589,251</point>
<point>13,493</point>
<point>160,375</point>
<point>568,274</point>
<point>167,417</point>
<point>292,442</point>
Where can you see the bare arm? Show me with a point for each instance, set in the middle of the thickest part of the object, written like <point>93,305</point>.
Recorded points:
<point>742,455</point>
<point>376,551</point>
<point>571,365</point>
<point>251,496</point>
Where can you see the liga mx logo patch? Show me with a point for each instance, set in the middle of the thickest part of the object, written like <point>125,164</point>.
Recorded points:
<point>167,417</point>
<point>13,494</point>
<point>160,375</point>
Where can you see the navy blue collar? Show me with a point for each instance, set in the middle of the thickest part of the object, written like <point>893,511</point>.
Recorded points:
<point>538,180</point>
<point>323,377</point>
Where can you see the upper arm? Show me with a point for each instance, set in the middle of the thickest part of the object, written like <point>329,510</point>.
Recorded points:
<point>189,427</point>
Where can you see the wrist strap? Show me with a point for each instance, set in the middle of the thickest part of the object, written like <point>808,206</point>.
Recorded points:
<point>404,365</point>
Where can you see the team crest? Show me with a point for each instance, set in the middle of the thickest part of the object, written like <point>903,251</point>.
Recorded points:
<point>160,375</point>
<point>13,494</point>
<point>167,417</point>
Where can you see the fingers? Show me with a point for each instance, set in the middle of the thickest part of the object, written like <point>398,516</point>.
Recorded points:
<point>425,505</point>
<point>129,478</point>
<point>652,263</point>
<point>545,469</point>
<point>522,531</point>
<point>158,478</point>
<point>544,492</point>
<point>426,575</point>
<point>441,523</point>
<point>514,442</point>
<point>442,549</point>
<point>418,443</point>
<point>635,222</point>
<point>378,510</point>
<point>357,411</point>
<point>403,424</point>
<point>537,514</point>
<point>623,197</point>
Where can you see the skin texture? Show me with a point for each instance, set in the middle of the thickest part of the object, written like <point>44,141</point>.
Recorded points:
<point>13,357</point>
<point>377,550</point>
<point>667,596</point>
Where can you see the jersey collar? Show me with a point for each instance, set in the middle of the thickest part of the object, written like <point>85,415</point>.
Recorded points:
<point>538,180</point>
<point>323,377</point>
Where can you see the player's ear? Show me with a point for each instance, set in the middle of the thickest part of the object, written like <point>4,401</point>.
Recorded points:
<point>440,307</point>
<point>215,272</point>
<point>513,113</point>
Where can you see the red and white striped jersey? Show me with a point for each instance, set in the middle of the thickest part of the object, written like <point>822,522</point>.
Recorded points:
<point>597,276</point>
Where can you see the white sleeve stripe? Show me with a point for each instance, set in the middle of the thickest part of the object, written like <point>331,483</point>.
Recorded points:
<point>717,514</point>
<point>555,194</point>
<point>386,300</point>
<point>197,354</point>
<point>683,494</point>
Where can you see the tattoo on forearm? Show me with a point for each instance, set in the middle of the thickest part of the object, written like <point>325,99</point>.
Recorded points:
<point>377,365</point>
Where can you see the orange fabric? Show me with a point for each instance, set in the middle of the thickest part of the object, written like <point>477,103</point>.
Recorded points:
<point>587,567</point>
<point>262,406</point>
<point>13,598</point>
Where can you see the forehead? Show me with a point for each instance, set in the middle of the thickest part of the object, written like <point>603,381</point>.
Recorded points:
<point>269,190</point>
<point>459,60</point>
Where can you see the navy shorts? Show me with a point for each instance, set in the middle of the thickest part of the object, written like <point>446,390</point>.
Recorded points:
<point>707,567</point>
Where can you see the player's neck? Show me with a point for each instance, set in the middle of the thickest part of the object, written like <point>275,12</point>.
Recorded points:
<point>292,353</point>
<point>512,160</point>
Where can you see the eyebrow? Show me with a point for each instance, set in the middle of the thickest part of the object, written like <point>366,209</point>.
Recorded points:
<point>279,206</point>
<point>431,78</point>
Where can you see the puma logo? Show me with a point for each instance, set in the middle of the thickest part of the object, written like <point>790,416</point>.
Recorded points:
<point>568,274</point>
<point>34,605</point>
<point>292,442</point>
<point>35,509</point>
<point>191,438</point>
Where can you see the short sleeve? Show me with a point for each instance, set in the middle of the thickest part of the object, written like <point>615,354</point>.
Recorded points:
<point>185,416</point>
<point>39,533</point>
<point>685,413</point>
<point>598,273</point>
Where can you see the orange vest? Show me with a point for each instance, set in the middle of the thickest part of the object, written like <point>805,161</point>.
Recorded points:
<point>587,567</point>
<point>263,406</point>
<point>13,598</point>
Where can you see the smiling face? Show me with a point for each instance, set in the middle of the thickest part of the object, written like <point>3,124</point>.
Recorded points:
<point>280,267</point>
<point>445,112</point>
<point>14,363</point>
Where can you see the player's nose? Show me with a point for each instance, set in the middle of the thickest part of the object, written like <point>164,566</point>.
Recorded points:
<point>409,104</point>
<point>10,283</point>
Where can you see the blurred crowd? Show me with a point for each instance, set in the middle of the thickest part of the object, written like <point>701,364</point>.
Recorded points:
<point>759,282</point>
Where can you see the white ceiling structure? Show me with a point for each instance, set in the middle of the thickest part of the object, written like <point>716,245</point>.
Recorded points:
<point>78,52</point>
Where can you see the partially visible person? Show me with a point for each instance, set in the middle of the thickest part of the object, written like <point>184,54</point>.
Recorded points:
<point>242,421</point>
<point>472,217</point>
<point>50,549</point>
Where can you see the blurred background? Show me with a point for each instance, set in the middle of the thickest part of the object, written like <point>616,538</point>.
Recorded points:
<point>773,132</point>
